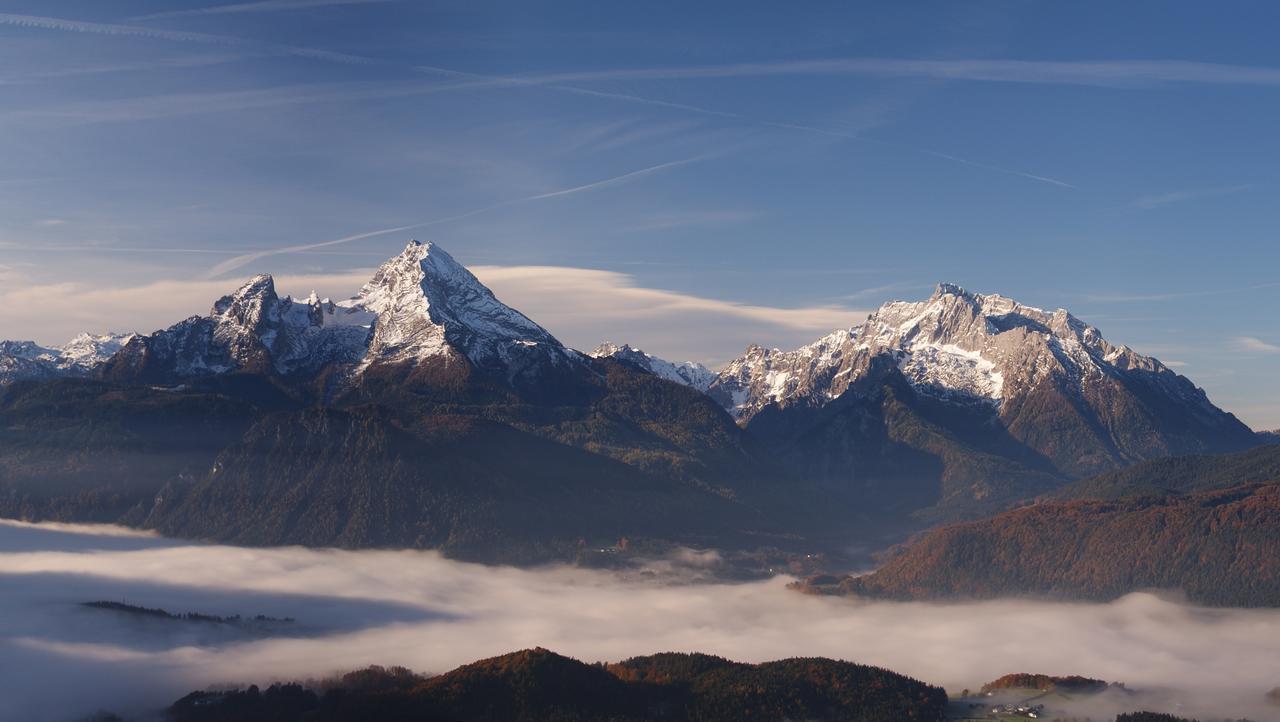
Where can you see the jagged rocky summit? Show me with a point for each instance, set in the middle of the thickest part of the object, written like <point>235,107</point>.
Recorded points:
<point>1046,377</point>
<point>421,306</point>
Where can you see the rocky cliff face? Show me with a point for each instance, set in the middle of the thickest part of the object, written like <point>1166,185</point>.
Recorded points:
<point>250,330</point>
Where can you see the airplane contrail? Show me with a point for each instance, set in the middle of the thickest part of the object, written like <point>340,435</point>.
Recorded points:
<point>181,36</point>
<point>479,80</point>
<point>550,83</point>
<point>617,180</point>
<point>1098,73</point>
<point>261,6</point>
<point>232,264</point>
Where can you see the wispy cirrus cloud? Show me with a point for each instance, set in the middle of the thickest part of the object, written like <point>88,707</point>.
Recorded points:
<point>614,181</point>
<point>878,293</point>
<point>554,82</point>
<point>1255,344</point>
<point>105,248</point>
<point>1101,73</point>
<point>262,6</point>
<point>1149,202</point>
<point>177,105</point>
<point>179,36</point>
<point>476,80</point>
<point>173,63</point>
<point>618,134</point>
<point>239,261</point>
<point>996,168</point>
<point>1173,295</point>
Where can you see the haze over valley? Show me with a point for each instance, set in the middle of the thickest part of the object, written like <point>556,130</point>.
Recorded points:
<point>417,609</point>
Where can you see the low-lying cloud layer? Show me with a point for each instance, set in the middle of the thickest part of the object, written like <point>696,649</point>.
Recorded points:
<point>58,659</point>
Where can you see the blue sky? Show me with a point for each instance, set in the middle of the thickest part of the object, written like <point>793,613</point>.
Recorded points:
<point>687,177</point>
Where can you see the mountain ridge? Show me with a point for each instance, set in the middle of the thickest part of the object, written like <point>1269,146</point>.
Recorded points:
<point>950,408</point>
<point>957,345</point>
<point>1001,400</point>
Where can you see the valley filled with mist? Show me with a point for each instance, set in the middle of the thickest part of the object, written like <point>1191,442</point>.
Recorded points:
<point>351,609</point>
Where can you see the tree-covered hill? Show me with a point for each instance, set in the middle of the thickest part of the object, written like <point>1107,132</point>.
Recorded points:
<point>540,685</point>
<point>1221,547</point>
<point>1180,475</point>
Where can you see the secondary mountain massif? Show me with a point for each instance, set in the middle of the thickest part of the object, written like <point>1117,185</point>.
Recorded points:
<point>425,412</point>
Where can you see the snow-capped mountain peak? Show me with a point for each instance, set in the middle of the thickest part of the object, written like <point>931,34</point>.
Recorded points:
<point>689,373</point>
<point>86,350</point>
<point>254,328</point>
<point>976,363</point>
<point>27,350</point>
<point>420,304</point>
<point>761,376</point>
<point>249,315</point>
<point>426,304</point>
<point>79,356</point>
<point>958,345</point>
<point>964,344</point>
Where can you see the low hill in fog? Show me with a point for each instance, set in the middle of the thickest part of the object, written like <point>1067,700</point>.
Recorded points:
<point>541,685</point>
<point>1220,547</point>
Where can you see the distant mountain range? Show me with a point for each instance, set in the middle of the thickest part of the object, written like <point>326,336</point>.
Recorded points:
<point>689,373</point>
<point>81,356</point>
<point>425,412</point>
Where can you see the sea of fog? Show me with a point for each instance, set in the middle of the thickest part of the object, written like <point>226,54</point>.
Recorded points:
<point>60,660</point>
